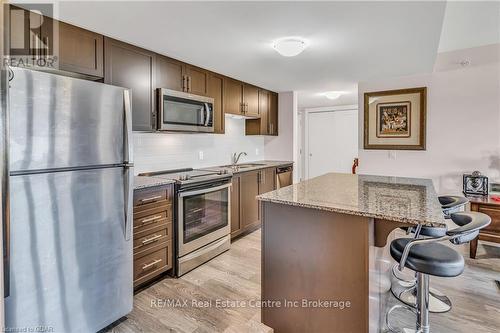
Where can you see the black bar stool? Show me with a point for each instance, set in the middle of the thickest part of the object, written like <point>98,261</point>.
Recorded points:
<point>452,204</point>
<point>405,290</point>
<point>427,257</point>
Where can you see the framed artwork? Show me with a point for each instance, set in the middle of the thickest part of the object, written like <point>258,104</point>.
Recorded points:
<point>395,119</point>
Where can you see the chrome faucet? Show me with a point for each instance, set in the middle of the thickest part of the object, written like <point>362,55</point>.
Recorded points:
<point>236,158</point>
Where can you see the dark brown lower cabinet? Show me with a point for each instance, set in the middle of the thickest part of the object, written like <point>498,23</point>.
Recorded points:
<point>235,206</point>
<point>249,189</point>
<point>245,208</point>
<point>153,241</point>
<point>267,180</point>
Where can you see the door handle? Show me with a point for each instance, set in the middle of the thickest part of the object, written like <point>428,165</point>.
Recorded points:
<point>151,264</point>
<point>151,240</point>
<point>151,199</point>
<point>151,219</point>
<point>129,193</point>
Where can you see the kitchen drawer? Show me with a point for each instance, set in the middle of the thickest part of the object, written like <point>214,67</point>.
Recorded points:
<point>151,265</point>
<point>149,221</point>
<point>494,213</point>
<point>151,197</point>
<point>159,235</point>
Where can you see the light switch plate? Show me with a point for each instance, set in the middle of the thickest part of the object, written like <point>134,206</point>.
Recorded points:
<point>256,151</point>
<point>392,155</point>
<point>200,155</point>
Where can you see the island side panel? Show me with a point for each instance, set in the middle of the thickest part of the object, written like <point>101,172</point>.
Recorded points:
<point>314,255</point>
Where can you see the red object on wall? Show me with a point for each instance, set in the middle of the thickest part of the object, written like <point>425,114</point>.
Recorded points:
<point>495,197</point>
<point>355,165</point>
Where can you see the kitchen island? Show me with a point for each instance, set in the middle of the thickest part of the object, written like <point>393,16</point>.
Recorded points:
<point>320,242</point>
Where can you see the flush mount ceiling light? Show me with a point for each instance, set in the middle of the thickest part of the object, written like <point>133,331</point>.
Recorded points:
<point>332,94</point>
<point>290,46</point>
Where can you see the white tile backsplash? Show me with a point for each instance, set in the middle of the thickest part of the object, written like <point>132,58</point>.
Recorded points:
<point>164,151</point>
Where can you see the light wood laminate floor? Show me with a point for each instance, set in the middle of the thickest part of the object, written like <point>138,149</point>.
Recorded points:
<point>235,276</point>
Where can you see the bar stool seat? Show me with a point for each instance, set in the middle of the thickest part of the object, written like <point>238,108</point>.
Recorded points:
<point>451,201</point>
<point>433,259</point>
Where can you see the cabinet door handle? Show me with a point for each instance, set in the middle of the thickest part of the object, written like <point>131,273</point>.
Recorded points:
<point>151,240</point>
<point>46,48</point>
<point>151,219</point>
<point>152,199</point>
<point>184,83</point>
<point>151,264</point>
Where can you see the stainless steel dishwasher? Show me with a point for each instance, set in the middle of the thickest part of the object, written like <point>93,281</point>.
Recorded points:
<point>284,176</point>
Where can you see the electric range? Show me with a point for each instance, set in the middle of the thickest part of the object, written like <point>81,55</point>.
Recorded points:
<point>203,215</point>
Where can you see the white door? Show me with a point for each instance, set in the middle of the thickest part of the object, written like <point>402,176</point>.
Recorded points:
<point>332,141</point>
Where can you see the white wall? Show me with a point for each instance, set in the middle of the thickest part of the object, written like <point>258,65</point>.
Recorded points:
<point>164,151</point>
<point>463,127</point>
<point>284,147</point>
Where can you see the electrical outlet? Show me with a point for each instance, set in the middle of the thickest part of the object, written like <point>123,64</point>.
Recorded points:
<point>392,155</point>
<point>200,155</point>
<point>257,151</point>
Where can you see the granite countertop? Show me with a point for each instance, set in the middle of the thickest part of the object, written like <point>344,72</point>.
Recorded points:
<point>258,166</point>
<point>144,182</point>
<point>150,181</point>
<point>406,200</point>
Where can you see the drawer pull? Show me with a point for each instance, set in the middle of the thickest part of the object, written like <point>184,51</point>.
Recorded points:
<point>151,240</point>
<point>151,219</point>
<point>151,264</point>
<point>152,199</point>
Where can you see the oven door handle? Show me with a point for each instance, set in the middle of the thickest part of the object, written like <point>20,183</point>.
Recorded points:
<point>205,190</point>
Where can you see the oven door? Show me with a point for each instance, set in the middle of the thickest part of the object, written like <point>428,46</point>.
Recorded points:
<point>203,217</point>
<point>184,112</point>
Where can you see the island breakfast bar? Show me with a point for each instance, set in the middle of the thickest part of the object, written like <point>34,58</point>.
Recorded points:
<point>320,240</point>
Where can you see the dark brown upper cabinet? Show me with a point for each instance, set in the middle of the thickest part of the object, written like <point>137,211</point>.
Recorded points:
<point>80,50</point>
<point>233,96</point>
<point>132,67</point>
<point>268,111</point>
<point>169,73</point>
<point>196,80</point>
<point>241,98</point>
<point>215,89</point>
<point>251,100</point>
<point>55,45</point>
<point>179,76</point>
<point>30,33</point>
<point>273,113</point>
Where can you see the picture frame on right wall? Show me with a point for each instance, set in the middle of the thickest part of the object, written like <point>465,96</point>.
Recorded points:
<point>395,119</point>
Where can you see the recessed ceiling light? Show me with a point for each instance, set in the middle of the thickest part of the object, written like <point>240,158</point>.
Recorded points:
<point>332,94</point>
<point>290,46</point>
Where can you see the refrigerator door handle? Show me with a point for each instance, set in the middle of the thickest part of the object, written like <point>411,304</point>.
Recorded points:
<point>127,144</point>
<point>128,164</point>
<point>128,199</point>
<point>5,77</point>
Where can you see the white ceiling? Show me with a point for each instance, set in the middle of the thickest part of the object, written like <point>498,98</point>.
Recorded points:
<point>470,24</point>
<point>348,41</point>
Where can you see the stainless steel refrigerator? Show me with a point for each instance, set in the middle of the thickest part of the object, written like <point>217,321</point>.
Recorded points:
<point>68,248</point>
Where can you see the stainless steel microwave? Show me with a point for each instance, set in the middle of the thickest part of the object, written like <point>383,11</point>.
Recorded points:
<point>184,112</point>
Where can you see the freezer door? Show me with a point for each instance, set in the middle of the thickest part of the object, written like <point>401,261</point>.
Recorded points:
<point>71,265</point>
<point>63,122</point>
